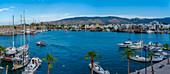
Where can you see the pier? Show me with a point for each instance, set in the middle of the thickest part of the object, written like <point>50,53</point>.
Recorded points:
<point>159,68</point>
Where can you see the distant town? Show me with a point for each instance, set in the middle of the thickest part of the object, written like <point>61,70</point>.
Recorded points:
<point>33,28</point>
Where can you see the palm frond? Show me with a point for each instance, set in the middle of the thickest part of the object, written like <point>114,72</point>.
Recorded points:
<point>45,59</point>
<point>122,57</point>
<point>99,57</point>
<point>86,57</point>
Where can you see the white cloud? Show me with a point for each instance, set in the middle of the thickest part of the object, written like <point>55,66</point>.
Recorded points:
<point>6,9</point>
<point>3,9</point>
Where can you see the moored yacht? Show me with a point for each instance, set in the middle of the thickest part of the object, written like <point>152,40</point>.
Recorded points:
<point>126,44</point>
<point>33,65</point>
<point>10,54</point>
<point>137,45</point>
<point>20,62</point>
<point>139,59</point>
<point>98,69</point>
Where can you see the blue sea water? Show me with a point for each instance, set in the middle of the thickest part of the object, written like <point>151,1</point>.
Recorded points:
<point>70,49</point>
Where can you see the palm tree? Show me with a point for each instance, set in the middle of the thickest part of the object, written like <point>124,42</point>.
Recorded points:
<point>167,47</point>
<point>49,60</point>
<point>128,53</point>
<point>92,55</point>
<point>151,55</point>
<point>2,49</point>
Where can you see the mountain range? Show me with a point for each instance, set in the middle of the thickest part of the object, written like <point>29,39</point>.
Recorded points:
<point>108,20</point>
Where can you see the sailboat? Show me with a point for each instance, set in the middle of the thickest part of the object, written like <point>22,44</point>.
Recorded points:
<point>24,48</point>
<point>10,51</point>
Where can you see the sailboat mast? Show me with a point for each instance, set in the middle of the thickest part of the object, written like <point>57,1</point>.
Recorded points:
<point>24,27</point>
<point>141,39</point>
<point>13,30</point>
<point>21,28</point>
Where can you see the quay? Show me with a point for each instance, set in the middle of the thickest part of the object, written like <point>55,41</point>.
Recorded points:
<point>165,69</point>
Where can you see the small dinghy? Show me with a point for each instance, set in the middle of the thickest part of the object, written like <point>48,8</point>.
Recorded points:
<point>41,43</point>
<point>33,65</point>
<point>98,69</point>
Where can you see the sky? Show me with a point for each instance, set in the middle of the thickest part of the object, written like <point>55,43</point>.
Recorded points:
<point>51,10</point>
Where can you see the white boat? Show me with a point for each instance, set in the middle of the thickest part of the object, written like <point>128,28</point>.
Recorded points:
<point>150,44</point>
<point>126,44</point>
<point>98,69</point>
<point>33,65</point>
<point>156,49</point>
<point>139,59</point>
<point>157,58</point>
<point>107,30</point>
<point>20,62</point>
<point>28,31</point>
<point>137,45</point>
<point>41,43</point>
<point>10,51</point>
<point>149,31</point>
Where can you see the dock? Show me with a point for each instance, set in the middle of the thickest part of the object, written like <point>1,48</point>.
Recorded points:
<point>157,70</point>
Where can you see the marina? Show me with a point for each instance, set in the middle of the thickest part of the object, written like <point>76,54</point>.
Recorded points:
<point>66,47</point>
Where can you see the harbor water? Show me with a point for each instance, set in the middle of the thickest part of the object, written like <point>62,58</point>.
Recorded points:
<point>70,49</point>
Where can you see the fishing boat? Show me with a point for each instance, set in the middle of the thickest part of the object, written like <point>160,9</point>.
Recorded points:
<point>137,45</point>
<point>33,65</point>
<point>41,43</point>
<point>20,62</point>
<point>98,69</point>
<point>126,44</point>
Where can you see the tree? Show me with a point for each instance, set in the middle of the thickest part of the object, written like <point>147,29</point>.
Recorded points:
<point>150,55</point>
<point>167,47</point>
<point>2,49</point>
<point>91,55</point>
<point>49,60</point>
<point>128,53</point>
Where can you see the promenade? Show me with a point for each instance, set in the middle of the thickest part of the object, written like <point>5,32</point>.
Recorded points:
<point>157,70</point>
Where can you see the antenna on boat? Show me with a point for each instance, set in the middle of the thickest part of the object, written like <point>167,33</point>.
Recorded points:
<point>13,30</point>
<point>21,28</point>
<point>141,40</point>
<point>24,25</point>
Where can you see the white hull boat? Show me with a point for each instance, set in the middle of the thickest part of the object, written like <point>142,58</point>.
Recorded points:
<point>20,62</point>
<point>125,45</point>
<point>137,45</point>
<point>33,65</point>
<point>139,59</point>
<point>98,69</point>
<point>149,31</point>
